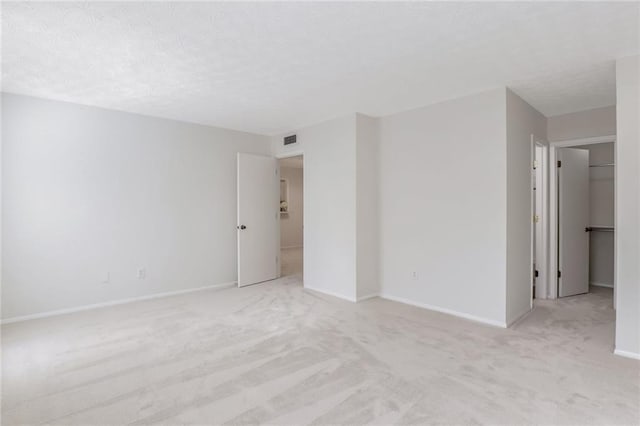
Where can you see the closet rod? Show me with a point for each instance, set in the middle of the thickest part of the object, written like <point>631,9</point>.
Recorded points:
<point>602,165</point>
<point>598,229</point>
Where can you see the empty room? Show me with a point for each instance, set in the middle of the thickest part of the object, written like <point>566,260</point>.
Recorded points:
<point>320,213</point>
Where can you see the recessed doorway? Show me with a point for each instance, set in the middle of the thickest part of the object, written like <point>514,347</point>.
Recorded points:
<point>291,216</point>
<point>583,236</point>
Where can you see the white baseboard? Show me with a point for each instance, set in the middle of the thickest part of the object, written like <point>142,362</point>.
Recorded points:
<point>367,297</point>
<point>290,247</point>
<point>331,293</point>
<point>113,303</point>
<point>600,284</point>
<point>626,354</point>
<point>445,311</point>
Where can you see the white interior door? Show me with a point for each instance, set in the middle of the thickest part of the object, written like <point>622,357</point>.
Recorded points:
<point>258,221</point>
<point>573,204</point>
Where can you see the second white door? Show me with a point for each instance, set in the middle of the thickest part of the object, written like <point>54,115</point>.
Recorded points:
<point>258,219</point>
<point>573,215</point>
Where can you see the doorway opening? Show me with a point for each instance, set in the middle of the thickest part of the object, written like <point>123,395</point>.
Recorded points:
<point>583,236</point>
<point>292,216</point>
<point>578,239</point>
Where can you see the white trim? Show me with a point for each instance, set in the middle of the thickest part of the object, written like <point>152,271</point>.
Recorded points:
<point>542,283</point>
<point>627,354</point>
<point>597,284</point>
<point>331,293</point>
<point>113,303</point>
<point>552,282</point>
<point>553,205</point>
<point>290,154</point>
<point>474,318</point>
<point>367,297</point>
<point>583,141</point>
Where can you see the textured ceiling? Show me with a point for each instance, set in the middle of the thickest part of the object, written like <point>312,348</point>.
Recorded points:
<point>271,67</point>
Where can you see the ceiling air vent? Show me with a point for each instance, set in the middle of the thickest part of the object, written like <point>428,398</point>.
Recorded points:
<point>288,140</point>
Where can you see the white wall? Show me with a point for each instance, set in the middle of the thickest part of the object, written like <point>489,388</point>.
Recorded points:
<point>330,203</point>
<point>444,206</point>
<point>88,191</point>
<point>583,124</point>
<point>1,200</point>
<point>628,206</point>
<point>522,121</point>
<point>601,213</point>
<point>367,206</point>
<point>291,223</point>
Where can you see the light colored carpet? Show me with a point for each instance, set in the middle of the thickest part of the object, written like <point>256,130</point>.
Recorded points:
<point>291,262</point>
<point>275,353</point>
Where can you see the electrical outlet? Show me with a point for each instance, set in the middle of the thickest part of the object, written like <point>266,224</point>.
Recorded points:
<point>414,275</point>
<point>142,273</point>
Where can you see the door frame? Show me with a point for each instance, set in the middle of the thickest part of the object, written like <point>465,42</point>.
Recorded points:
<point>542,263</point>
<point>552,282</point>
<point>281,156</point>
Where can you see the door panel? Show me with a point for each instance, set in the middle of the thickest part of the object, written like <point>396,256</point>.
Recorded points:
<point>258,225</point>
<point>573,204</point>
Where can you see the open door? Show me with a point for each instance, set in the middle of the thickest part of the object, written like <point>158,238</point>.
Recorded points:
<point>573,215</point>
<point>258,219</point>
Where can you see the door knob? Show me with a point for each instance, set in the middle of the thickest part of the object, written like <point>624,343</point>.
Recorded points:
<point>242,227</point>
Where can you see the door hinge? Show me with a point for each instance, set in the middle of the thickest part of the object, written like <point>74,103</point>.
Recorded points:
<point>559,163</point>
<point>559,274</point>
<point>535,164</point>
<point>535,273</point>
<point>536,218</point>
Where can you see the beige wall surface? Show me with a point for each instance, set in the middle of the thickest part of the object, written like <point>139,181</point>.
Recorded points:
<point>367,205</point>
